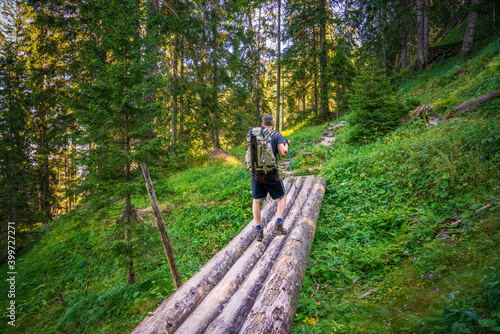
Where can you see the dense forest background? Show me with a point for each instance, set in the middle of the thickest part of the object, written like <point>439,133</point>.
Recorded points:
<point>91,89</point>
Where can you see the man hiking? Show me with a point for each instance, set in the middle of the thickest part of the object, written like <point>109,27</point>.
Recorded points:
<point>269,181</point>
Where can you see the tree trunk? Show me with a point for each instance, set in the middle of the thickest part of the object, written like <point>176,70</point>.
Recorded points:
<point>128,214</point>
<point>383,23</point>
<point>214,302</point>
<point>255,66</point>
<point>278,92</point>
<point>470,28</point>
<point>325,109</point>
<point>473,103</point>
<point>315,75</point>
<point>420,32</point>
<point>181,98</point>
<point>174,87</point>
<point>258,95</point>
<point>274,309</point>
<point>304,105</point>
<point>426,30</point>
<point>153,6</point>
<point>239,305</point>
<point>46,195</point>
<point>172,313</point>
<point>214,104</point>
<point>169,252</point>
<point>404,42</point>
<point>127,218</point>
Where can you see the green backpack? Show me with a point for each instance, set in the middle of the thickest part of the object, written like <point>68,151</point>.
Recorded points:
<point>259,155</point>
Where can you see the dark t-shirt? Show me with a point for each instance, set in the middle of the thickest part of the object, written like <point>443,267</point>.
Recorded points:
<point>276,139</point>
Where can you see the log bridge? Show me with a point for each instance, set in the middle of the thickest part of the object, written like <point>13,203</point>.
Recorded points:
<point>249,286</point>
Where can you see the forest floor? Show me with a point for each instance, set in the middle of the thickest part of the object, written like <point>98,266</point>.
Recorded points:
<point>407,240</point>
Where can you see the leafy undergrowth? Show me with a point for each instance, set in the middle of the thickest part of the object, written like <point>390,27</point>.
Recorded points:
<point>407,240</point>
<point>400,222</point>
<point>204,208</point>
<point>399,226</point>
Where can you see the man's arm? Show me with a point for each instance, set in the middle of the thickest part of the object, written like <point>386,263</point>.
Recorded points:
<point>283,149</point>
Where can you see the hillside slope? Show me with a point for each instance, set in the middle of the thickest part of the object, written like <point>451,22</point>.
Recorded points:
<point>407,240</point>
<point>407,230</point>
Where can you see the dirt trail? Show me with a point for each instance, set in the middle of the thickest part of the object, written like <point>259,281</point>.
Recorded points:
<point>327,140</point>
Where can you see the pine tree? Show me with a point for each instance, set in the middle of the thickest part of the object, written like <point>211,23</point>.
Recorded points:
<point>374,110</point>
<point>19,195</point>
<point>115,117</point>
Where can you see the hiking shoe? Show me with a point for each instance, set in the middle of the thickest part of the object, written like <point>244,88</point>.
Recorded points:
<point>279,229</point>
<point>260,235</point>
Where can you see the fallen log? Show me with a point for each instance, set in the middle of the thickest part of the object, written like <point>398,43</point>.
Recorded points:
<point>275,306</point>
<point>214,302</point>
<point>239,305</point>
<point>175,309</point>
<point>473,103</point>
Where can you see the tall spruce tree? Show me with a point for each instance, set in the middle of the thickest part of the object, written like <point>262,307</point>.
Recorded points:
<point>18,198</point>
<point>115,117</point>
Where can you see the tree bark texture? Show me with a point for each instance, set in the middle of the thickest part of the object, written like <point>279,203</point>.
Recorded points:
<point>161,228</point>
<point>469,29</point>
<point>219,297</point>
<point>325,109</point>
<point>404,48</point>
<point>315,75</point>
<point>275,306</point>
<point>426,30</point>
<point>214,302</point>
<point>175,61</point>
<point>420,31</point>
<point>239,305</point>
<point>174,311</point>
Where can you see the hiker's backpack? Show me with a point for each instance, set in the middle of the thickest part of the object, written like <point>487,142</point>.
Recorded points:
<point>259,155</point>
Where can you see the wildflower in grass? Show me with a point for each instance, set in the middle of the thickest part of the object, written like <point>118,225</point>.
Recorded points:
<point>437,289</point>
<point>343,239</point>
<point>161,299</point>
<point>346,259</point>
<point>415,258</point>
<point>422,275</point>
<point>439,276</point>
<point>431,276</point>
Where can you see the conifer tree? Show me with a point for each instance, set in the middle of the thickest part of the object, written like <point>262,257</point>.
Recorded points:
<point>114,114</point>
<point>18,197</point>
<point>374,110</point>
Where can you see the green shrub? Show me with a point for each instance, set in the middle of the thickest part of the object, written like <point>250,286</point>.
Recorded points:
<point>374,109</point>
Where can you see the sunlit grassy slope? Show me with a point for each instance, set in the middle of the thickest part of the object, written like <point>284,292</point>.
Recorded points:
<point>405,243</point>
<point>386,211</point>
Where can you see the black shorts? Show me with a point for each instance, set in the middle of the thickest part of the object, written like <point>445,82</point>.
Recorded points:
<point>265,184</point>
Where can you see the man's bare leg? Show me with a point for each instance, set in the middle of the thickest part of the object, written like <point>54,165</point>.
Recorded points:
<point>256,211</point>
<point>281,207</point>
<point>278,229</point>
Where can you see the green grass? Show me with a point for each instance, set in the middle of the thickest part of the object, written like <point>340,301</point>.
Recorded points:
<point>203,207</point>
<point>454,81</point>
<point>385,206</point>
<point>389,202</point>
